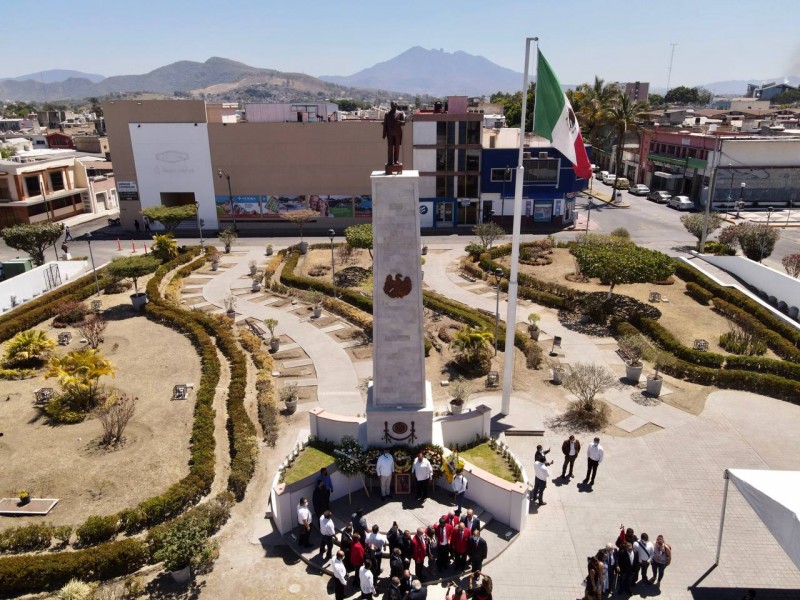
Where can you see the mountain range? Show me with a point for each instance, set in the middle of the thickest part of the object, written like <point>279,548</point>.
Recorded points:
<point>738,87</point>
<point>57,75</point>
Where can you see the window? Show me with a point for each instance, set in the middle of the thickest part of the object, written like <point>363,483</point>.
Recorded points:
<point>441,133</point>
<point>445,160</point>
<point>33,185</point>
<point>57,181</point>
<point>541,170</point>
<point>473,160</point>
<point>444,186</point>
<point>501,175</point>
<point>5,191</point>
<point>468,186</point>
<point>473,132</point>
<point>444,212</point>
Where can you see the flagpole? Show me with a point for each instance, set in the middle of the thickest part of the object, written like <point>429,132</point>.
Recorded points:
<point>511,315</point>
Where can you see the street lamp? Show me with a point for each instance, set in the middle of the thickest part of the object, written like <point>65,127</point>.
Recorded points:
<point>331,235</point>
<point>227,176</point>
<point>791,205</point>
<point>766,231</point>
<point>740,203</point>
<point>199,223</point>
<point>506,177</point>
<point>94,270</point>
<point>730,191</point>
<point>498,274</point>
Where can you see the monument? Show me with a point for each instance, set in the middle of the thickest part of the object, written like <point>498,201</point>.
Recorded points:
<point>400,404</point>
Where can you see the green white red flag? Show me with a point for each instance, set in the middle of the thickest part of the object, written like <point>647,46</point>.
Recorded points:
<point>555,120</point>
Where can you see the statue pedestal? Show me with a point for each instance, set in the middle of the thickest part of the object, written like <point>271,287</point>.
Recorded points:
<point>399,425</point>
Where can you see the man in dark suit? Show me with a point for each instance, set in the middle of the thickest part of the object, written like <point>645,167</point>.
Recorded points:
<point>628,567</point>
<point>477,549</point>
<point>396,564</point>
<point>406,581</point>
<point>570,448</point>
<point>470,521</point>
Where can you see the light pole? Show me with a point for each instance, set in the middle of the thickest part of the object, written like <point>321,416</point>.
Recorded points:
<point>199,223</point>
<point>766,232</point>
<point>506,177</point>
<point>498,274</point>
<point>331,235</point>
<point>740,203</point>
<point>227,176</point>
<point>91,256</point>
<point>730,191</point>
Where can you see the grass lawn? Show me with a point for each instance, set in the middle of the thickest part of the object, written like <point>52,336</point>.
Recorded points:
<point>487,459</point>
<point>308,462</point>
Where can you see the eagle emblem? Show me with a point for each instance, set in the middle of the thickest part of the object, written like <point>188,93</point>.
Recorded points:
<point>397,287</point>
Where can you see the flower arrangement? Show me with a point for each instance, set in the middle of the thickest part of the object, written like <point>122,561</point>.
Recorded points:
<point>350,457</point>
<point>371,460</point>
<point>450,464</point>
<point>402,460</point>
<point>434,454</point>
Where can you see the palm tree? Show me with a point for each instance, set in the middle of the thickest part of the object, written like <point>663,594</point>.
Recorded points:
<point>590,103</point>
<point>474,349</point>
<point>79,374</point>
<point>621,116</point>
<point>28,348</point>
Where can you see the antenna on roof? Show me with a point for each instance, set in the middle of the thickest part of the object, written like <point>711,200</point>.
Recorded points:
<point>671,58</point>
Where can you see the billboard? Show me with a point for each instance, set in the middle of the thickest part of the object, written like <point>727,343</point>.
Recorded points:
<point>273,207</point>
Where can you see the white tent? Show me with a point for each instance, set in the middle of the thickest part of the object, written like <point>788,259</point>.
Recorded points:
<point>775,497</point>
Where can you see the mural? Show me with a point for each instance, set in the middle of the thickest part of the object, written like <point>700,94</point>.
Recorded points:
<point>273,207</point>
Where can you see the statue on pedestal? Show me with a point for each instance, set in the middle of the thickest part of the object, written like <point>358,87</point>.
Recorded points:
<point>393,123</point>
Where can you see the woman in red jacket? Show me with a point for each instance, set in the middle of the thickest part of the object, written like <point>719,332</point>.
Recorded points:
<point>356,553</point>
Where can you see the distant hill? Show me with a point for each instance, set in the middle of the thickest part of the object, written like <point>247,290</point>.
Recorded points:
<point>738,87</point>
<point>436,72</point>
<point>56,76</point>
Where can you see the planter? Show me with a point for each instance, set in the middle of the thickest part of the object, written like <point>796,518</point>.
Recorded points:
<point>227,248</point>
<point>633,373</point>
<point>557,376</point>
<point>139,300</point>
<point>456,406</point>
<point>291,406</point>
<point>274,345</point>
<point>252,270</point>
<point>424,250</point>
<point>182,575</point>
<point>231,314</point>
<point>654,386</point>
<point>317,312</point>
<point>534,333</point>
<point>303,247</point>
<point>269,251</point>
<point>214,265</point>
<point>24,501</point>
<point>256,286</point>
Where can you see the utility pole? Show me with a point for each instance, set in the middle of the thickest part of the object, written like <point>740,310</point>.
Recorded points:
<point>671,58</point>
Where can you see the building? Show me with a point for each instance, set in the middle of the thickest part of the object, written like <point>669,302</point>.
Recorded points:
<point>768,91</point>
<point>637,91</point>
<point>92,144</point>
<point>59,141</point>
<point>306,112</point>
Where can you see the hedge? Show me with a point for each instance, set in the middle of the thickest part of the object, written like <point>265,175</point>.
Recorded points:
<point>702,295</point>
<point>268,414</point>
<point>668,342</point>
<point>760,364</point>
<point>49,572</point>
<point>780,345</point>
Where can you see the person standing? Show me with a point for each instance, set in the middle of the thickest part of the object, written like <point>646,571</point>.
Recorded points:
<point>146,221</point>
<point>419,551</point>
<point>407,547</point>
<point>478,550</point>
<point>459,542</point>
<point>570,448</point>
<point>366,580</point>
<point>325,478</point>
<point>384,468</point>
<point>67,234</point>
<point>540,481</point>
<point>356,553</point>
<point>394,592</point>
<point>339,576</point>
<point>470,521</point>
<point>628,565</point>
<point>406,581</point>
<point>423,471</point>
<point>594,456</point>
<point>136,225</point>
<point>444,532</point>
<point>328,530</point>
<point>376,541</point>
<point>394,537</point>
<point>662,556</point>
<point>320,499</point>
<point>541,455</point>
<point>418,591</point>
<point>396,564</point>
<point>304,521</point>
<point>610,568</point>
<point>459,488</point>
<point>359,523</point>
<point>644,552</point>
<point>345,543</point>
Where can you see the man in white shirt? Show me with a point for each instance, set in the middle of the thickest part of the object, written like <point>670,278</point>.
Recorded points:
<point>540,482</point>
<point>377,541</point>
<point>644,551</point>
<point>339,576</point>
<point>366,579</point>
<point>423,471</point>
<point>595,456</point>
<point>384,469</point>
<point>328,530</point>
<point>459,488</point>
<point>304,521</point>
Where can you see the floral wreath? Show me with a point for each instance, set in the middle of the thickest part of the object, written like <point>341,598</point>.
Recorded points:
<point>450,464</point>
<point>402,461</point>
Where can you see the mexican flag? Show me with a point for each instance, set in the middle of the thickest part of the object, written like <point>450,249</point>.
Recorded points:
<point>555,120</point>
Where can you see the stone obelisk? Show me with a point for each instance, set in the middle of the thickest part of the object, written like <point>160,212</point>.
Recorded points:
<point>400,406</point>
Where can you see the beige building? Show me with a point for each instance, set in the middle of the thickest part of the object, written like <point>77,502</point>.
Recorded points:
<point>93,144</point>
<point>171,152</point>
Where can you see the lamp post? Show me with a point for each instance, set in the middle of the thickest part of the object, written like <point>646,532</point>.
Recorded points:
<point>730,192</point>
<point>199,223</point>
<point>498,274</point>
<point>766,231</point>
<point>506,177</point>
<point>227,176</point>
<point>331,235</point>
<point>91,256</point>
<point>740,203</point>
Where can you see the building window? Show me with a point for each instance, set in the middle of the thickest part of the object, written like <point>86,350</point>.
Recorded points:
<point>444,212</point>
<point>468,186</point>
<point>499,175</point>
<point>444,186</point>
<point>473,160</point>
<point>541,170</point>
<point>33,185</point>
<point>57,181</point>
<point>473,132</point>
<point>445,160</point>
<point>5,191</point>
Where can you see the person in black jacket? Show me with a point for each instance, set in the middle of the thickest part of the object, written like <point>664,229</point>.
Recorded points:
<point>477,550</point>
<point>396,564</point>
<point>321,499</point>
<point>345,543</point>
<point>628,567</point>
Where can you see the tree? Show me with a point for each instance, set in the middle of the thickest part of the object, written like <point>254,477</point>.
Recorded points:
<point>694,222</point>
<point>7,151</point>
<point>92,329</point>
<point>170,216</point>
<point>655,99</point>
<point>33,238</point>
<point>681,95</point>
<point>791,262</point>
<point>590,103</point>
<point>300,218</point>
<point>756,240</point>
<point>473,349</point>
<point>787,97</point>
<point>512,106</point>
<point>79,374</point>
<point>114,415</point>
<point>619,261</point>
<point>165,247</point>
<point>621,116</point>
<point>586,381</point>
<point>96,107</point>
<point>359,236</point>
<point>133,267</point>
<point>488,233</point>
<point>28,348</point>
<point>704,96</point>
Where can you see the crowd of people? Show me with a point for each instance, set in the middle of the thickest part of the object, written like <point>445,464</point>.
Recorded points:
<point>444,549</point>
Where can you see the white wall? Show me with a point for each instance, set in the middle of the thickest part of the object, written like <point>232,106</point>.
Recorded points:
<point>425,159</point>
<point>174,157</point>
<point>463,428</point>
<point>31,284</point>
<point>771,152</point>
<point>331,427</point>
<point>424,135</point>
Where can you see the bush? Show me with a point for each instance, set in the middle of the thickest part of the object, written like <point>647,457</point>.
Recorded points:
<point>76,589</point>
<point>749,321</point>
<point>621,232</point>
<point>96,530</point>
<point>741,341</point>
<point>717,248</point>
<point>475,250</point>
<point>780,368</point>
<point>70,312</point>
<point>26,538</point>
<point>700,294</point>
<point>659,334</point>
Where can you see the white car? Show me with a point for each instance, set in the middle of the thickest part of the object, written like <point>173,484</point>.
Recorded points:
<point>680,203</point>
<point>639,189</point>
<point>609,179</point>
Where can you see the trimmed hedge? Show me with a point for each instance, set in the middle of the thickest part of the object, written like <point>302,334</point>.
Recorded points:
<point>780,345</point>
<point>759,364</point>
<point>702,295</point>
<point>667,341</point>
<point>48,572</point>
<point>96,530</point>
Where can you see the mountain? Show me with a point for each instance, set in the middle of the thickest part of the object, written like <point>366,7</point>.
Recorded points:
<point>436,72</point>
<point>738,87</point>
<point>56,76</point>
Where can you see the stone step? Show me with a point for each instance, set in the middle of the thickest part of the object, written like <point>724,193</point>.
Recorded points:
<point>334,327</point>
<point>297,362</point>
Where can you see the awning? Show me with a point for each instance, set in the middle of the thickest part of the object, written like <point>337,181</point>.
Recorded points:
<point>775,498</point>
<point>688,163</point>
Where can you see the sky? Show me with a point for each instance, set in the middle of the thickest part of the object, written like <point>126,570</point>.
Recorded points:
<point>617,40</point>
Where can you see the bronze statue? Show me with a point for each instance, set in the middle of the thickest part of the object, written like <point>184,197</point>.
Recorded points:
<point>393,123</point>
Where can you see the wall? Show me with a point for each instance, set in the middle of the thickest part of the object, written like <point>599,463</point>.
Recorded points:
<point>775,284</point>
<point>332,427</point>
<point>464,428</point>
<point>32,283</point>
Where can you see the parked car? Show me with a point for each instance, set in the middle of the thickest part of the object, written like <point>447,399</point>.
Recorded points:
<point>595,168</point>
<point>609,179</point>
<point>623,183</point>
<point>639,189</point>
<point>659,196</point>
<point>680,203</point>
<point>602,175</point>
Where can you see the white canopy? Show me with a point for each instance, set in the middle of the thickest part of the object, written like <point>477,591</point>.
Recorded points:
<point>775,497</point>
